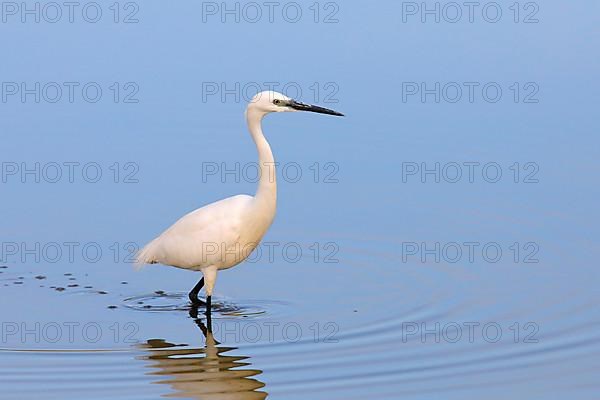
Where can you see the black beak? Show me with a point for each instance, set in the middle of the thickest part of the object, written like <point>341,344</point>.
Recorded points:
<point>296,105</point>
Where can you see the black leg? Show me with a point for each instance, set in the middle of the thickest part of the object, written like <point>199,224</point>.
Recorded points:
<point>208,324</point>
<point>204,328</point>
<point>194,312</point>
<point>208,304</point>
<point>208,315</point>
<point>194,293</point>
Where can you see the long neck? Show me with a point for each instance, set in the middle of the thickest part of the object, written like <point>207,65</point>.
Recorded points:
<point>266,193</point>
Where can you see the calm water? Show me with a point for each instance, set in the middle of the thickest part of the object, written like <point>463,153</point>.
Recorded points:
<point>368,326</point>
<point>421,249</point>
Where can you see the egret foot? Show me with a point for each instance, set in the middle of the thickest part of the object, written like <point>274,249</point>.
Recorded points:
<point>194,315</point>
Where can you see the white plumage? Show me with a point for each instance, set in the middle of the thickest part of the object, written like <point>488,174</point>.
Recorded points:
<point>223,234</point>
<point>217,236</point>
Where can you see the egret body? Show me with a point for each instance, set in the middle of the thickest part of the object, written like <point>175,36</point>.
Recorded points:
<point>223,234</point>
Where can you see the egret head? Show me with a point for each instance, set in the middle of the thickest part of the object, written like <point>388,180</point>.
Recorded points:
<point>268,101</point>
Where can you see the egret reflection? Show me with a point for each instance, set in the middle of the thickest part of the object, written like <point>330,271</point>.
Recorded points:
<point>203,373</point>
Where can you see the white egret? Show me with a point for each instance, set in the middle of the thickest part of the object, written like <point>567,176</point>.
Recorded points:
<point>222,234</point>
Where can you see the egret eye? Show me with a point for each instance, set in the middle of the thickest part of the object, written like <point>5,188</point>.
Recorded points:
<point>277,102</point>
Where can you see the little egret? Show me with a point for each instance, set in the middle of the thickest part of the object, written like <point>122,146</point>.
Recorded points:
<point>223,234</point>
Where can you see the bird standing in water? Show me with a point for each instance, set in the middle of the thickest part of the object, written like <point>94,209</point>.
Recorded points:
<point>222,234</point>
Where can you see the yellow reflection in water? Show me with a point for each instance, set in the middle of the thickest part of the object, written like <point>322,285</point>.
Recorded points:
<point>205,373</point>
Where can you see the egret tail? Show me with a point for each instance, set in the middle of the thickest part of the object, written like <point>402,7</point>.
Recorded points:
<point>146,255</point>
